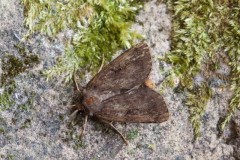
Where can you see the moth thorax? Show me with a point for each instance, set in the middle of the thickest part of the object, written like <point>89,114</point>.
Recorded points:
<point>91,103</point>
<point>90,100</point>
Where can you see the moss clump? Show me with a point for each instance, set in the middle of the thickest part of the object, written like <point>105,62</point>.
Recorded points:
<point>2,130</point>
<point>132,134</point>
<point>27,105</point>
<point>100,27</point>
<point>5,101</point>
<point>205,36</point>
<point>26,124</point>
<point>11,67</point>
<point>197,106</point>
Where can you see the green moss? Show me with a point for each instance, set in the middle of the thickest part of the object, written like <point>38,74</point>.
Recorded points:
<point>233,106</point>
<point>27,105</point>
<point>76,139</point>
<point>132,134</point>
<point>132,151</point>
<point>197,99</point>
<point>10,157</point>
<point>24,107</point>
<point>2,130</point>
<point>26,124</point>
<point>5,101</point>
<point>205,34</point>
<point>100,28</point>
<point>11,67</point>
<point>152,147</point>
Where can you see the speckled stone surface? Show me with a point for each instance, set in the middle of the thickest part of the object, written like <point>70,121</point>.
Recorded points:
<point>42,131</point>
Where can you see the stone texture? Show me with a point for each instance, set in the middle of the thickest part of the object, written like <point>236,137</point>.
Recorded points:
<point>42,131</point>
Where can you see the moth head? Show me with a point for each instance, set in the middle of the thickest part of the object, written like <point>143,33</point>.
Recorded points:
<point>91,103</point>
<point>90,100</point>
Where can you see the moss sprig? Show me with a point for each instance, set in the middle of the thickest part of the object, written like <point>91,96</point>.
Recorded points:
<point>204,34</point>
<point>197,106</point>
<point>101,27</point>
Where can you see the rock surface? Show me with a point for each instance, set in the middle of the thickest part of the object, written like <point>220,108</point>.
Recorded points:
<point>41,130</point>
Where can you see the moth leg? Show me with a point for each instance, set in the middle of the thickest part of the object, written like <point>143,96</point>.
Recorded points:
<point>116,130</point>
<point>73,115</point>
<point>84,126</point>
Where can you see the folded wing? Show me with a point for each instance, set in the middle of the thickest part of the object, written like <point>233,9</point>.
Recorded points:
<point>141,105</point>
<point>130,69</point>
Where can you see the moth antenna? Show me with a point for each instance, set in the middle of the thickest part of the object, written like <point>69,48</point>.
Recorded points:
<point>84,126</point>
<point>101,64</point>
<point>75,82</point>
<point>116,130</point>
<point>76,86</point>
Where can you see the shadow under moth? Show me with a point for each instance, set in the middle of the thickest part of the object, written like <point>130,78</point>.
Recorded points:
<point>120,92</point>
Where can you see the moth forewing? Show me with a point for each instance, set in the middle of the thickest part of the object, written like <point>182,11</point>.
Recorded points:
<point>129,69</point>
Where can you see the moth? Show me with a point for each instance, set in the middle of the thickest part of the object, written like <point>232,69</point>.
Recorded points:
<point>120,92</point>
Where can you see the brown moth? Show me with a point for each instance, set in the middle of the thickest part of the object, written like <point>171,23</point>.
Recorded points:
<point>120,91</point>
